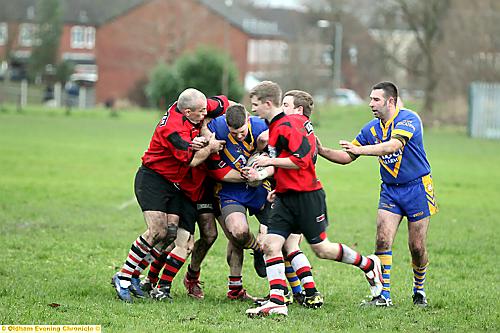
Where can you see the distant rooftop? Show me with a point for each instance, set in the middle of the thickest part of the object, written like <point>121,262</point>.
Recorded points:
<point>98,12</point>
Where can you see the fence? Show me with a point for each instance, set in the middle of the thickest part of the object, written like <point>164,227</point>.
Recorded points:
<point>484,110</point>
<point>21,93</point>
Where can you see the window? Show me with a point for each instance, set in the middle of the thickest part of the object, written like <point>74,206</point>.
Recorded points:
<point>267,52</point>
<point>27,34</point>
<point>82,37</point>
<point>4,35</point>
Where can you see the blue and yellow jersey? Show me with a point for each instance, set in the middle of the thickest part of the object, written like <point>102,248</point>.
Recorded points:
<point>236,154</point>
<point>408,163</point>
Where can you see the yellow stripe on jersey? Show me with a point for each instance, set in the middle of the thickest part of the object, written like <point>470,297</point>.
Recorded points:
<point>372,130</point>
<point>388,124</point>
<point>394,172</point>
<point>402,133</point>
<point>429,190</point>
<point>356,143</point>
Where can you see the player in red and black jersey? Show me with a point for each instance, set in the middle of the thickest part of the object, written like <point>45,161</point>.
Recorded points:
<point>175,149</point>
<point>300,205</point>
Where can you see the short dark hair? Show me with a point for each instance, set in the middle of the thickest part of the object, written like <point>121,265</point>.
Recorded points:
<point>236,116</point>
<point>302,98</point>
<point>389,88</point>
<point>267,91</point>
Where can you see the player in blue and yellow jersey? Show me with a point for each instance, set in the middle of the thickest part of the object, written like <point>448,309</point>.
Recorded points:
<point>242,134</point>
<point>396,137</point>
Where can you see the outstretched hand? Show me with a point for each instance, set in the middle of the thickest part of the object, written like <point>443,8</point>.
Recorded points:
<point>262,161</point>
<point>349,147</point>
<point>215,145</point>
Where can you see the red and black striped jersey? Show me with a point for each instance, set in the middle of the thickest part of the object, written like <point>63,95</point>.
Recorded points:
<point>293,136</point>
<point>170,150</point>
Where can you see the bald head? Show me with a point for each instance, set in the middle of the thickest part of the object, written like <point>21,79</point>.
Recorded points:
<point>191,99</point>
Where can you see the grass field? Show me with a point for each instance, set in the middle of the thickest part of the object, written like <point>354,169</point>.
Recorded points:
<point>68,216</point>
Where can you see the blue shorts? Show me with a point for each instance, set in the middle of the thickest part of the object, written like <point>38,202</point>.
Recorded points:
<point>415,199</point>
<point>252,198</point>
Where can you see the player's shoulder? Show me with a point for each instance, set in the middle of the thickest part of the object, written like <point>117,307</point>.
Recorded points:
<point>407,117</point>
<point>370,124</point>
<point>217,123</point>
<point>258,123</point>
<point>172,120</point>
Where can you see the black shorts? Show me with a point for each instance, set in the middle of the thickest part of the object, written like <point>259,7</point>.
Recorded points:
<point>153,192</point>
<point>183,207</point>
<point>208,203</point>
<point>263,215</point>
<point>299,212</point>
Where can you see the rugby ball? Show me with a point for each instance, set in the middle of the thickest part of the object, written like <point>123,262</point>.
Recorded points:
<point>251,160</point>
<point>250,163</point>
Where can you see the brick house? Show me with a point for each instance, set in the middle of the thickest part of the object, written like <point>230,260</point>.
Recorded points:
<point>114,44</point>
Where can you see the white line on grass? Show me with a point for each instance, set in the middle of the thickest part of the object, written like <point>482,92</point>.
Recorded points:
<point>126,204</point>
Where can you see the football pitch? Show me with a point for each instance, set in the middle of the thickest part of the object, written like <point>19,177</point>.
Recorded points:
<point>68,216</point>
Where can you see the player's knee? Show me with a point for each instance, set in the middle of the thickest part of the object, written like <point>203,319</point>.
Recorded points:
<point>417,250</point>
<point>240,235</point>
<point>320,253</point>
<point>209,236</point>
<point>156,232</point>
<point>270,250</point>
<point>383,244</point>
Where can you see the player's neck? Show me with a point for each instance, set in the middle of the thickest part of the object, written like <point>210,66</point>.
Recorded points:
<point>388,116</point>
<point>274,112</point>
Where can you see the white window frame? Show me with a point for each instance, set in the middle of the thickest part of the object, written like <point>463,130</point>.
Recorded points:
<point>4,33</point>
<point>90,37</point>
<point>27,34</point>
<point>82,37</point>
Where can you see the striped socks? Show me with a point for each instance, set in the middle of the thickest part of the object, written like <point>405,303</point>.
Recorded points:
<point>302,267</point>
<point>138,251</point>
<point>275,268</point>
<point>172,266</point>
<point>293,279</point>
<point>349,256</point>
<point>419,278</point>
<point>386,261</point>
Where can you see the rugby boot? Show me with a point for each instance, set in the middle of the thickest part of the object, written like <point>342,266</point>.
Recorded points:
<point>268,308</point>
<point>161,293</point>
<point>379,301</point>
<point>122,293</point>
<point>420,299</point>
<point>241,295</point>
<point>193,287</point>
<point>147,286</point>
<point>314,301</point>
<point>135,288</point>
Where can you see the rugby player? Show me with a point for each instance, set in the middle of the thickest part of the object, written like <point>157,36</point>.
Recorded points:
<point>300,204</point>
<point>395,136</point>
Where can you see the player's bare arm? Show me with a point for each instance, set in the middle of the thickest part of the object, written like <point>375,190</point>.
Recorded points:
<point>233,176</point>
<point>379,149</point>
<point>333,155</point>
<point>279,162</point>
<point>201,155</point>
<point>262,140</point>
<point>252,174</point>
